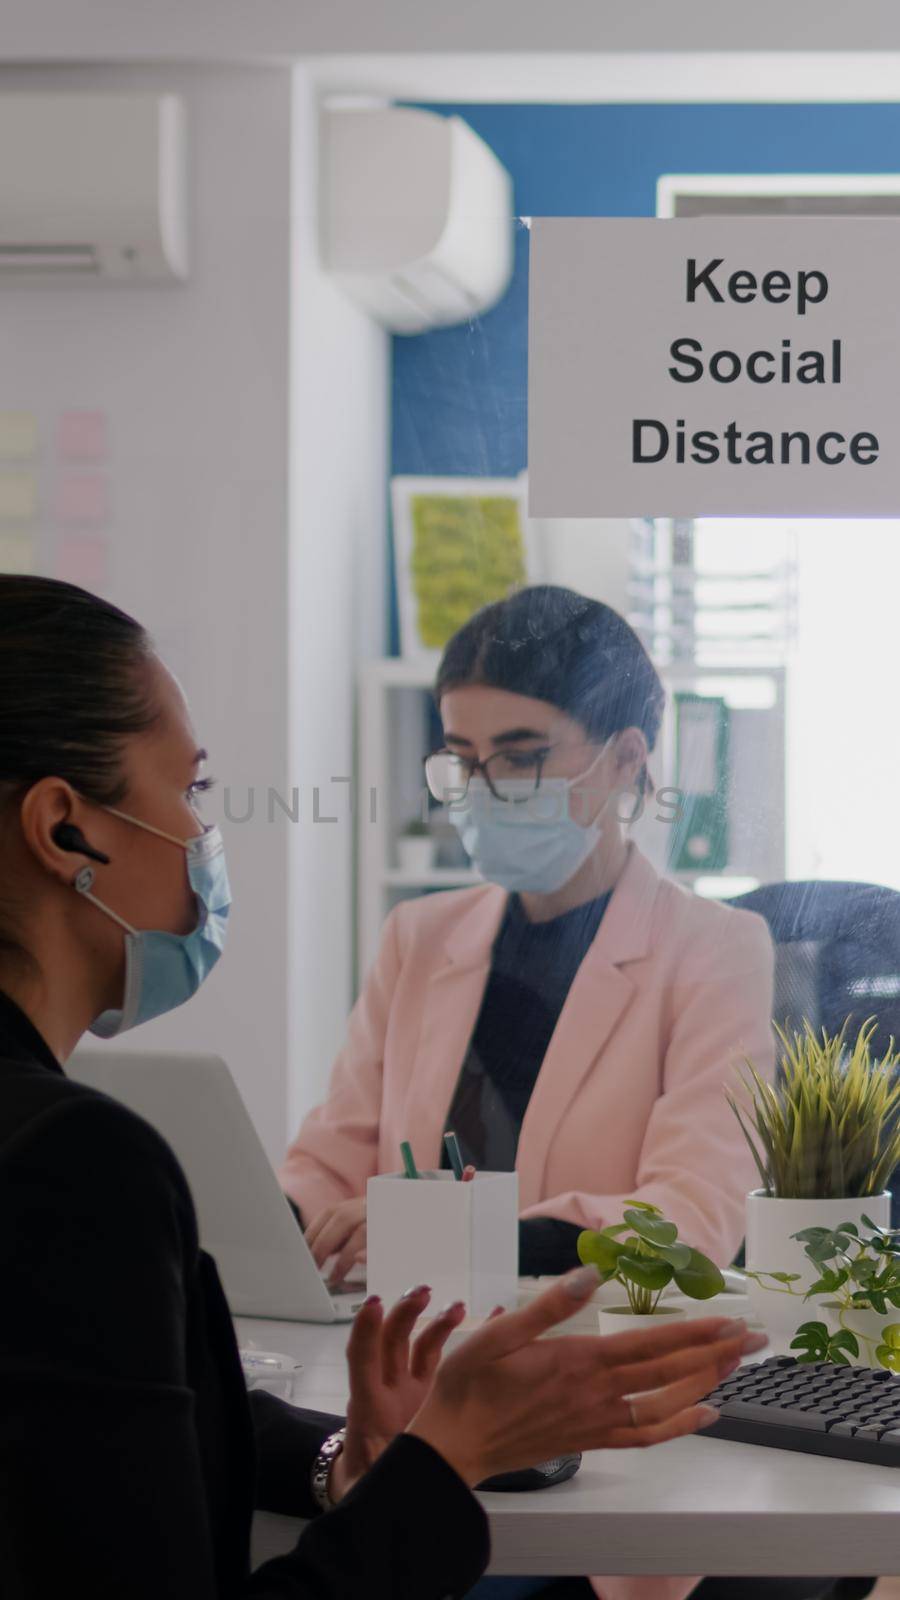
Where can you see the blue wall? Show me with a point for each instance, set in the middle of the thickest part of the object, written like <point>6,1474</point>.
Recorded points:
<point>459,394</point>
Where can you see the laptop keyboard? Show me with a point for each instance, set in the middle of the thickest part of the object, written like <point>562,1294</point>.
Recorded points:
<point>820,1408</point>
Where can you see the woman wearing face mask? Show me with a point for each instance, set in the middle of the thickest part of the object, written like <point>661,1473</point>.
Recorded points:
<point>578,1016</point>
<point>131,1456</point>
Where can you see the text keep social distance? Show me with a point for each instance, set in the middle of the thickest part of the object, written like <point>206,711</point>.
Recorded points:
<point>654,440</point>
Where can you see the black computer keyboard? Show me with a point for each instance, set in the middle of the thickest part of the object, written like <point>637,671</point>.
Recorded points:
<point>823,1409</point>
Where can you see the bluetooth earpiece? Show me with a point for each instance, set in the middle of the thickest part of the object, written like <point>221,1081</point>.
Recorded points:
<point>68,837</point>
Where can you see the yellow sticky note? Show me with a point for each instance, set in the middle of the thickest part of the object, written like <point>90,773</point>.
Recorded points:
<point>18,497</point>
<point>16,553</point>
<point>18,435</point>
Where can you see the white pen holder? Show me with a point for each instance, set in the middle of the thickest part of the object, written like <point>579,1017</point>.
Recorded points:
<point>461,1238</point>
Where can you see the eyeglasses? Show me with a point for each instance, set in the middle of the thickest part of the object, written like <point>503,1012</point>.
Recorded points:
<point>447,773</point>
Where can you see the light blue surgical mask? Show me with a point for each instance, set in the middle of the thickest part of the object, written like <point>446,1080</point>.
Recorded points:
<point>529,841</point>
<point>162,970</point>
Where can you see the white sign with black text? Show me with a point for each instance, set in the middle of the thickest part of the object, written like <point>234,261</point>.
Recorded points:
<point>746,366</point>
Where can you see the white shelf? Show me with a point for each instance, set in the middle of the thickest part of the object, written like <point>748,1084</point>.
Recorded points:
<point>437,878</point>
<point>397,673</point>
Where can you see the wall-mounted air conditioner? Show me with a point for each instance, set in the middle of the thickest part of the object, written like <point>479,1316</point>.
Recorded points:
<point>92,187</point>
<point>416,215</point>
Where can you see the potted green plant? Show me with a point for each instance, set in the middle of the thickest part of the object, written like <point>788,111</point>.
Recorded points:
<point>645,1262</point>
<point>415,848</point>
<point>856,1278</point>
<point>825,1139</point>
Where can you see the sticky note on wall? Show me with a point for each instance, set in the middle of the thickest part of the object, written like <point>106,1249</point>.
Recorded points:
<point>83,498</point>
<point>16,553</point>
<point>82,435</point>
<point>18,497</point>
<point>18,435</point>
<point>82,560</point>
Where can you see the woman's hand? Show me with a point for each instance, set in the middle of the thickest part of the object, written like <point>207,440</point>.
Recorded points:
<point>389,1378</point>
<point>506,1399</point>
<point>339,1231</point>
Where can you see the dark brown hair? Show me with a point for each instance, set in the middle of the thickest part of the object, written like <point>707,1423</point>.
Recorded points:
<point>72,687</point>
<point>552,644</point>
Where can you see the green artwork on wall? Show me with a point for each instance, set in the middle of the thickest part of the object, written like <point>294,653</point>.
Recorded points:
<point>466,552</point>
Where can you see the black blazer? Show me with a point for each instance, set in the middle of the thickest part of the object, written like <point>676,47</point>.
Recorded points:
<point>131,1456</point>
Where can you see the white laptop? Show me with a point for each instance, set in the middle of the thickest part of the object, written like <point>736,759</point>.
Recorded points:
<point>245,1222</point>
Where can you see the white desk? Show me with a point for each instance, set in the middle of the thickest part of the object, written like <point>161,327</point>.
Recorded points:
<point>693,1506</point>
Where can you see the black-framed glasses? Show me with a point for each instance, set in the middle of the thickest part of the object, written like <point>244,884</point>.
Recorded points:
<point>448,774</point>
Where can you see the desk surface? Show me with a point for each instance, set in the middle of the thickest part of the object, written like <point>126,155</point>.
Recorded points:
<point>694,1505</point>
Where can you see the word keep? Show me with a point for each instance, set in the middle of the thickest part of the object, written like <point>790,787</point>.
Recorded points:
<point>809,289</point>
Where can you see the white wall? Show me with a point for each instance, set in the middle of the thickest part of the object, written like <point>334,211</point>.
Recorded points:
<point>590,554</point>
<point>842,748</point>
<point>210,389</point>
<point>339,456</point>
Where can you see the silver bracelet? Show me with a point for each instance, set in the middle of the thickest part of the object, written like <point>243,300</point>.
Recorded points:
<point>321,1467</point>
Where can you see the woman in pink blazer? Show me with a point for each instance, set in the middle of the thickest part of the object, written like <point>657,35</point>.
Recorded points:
<point>576,1016</point>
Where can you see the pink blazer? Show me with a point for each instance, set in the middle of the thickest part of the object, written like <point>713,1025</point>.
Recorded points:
<point>674,992</point>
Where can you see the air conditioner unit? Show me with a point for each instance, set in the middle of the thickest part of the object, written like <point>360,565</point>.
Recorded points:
<point>92,188</point>
<point>416,216</point>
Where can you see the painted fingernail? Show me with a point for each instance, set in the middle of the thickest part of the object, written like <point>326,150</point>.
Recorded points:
<point>708,1415</point>
<point>455,1305</point>
<point>372,1300</point>
<point>419,1288</point>
<point>580,1283</point>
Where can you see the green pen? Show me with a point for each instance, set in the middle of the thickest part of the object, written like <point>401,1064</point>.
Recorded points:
<point>451,1145</point>
<point>408,1159</point>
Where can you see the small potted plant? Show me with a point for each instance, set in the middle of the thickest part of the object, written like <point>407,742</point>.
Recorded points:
<point>858,1270</point>
<point>415,848</point>
<point>645,1262</point>
<point>825,1139</point>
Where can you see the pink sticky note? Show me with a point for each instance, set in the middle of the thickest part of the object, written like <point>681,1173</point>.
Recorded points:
<point>82,499</point>
<point>82,435</point>
<point>82,560</point>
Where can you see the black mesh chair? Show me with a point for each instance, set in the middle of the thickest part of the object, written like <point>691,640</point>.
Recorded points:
<point>837,955</point>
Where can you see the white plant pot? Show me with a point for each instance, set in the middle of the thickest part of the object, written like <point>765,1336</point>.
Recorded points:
<point>415,855</point>
<point>621,1319</point>
<point>770,1248</point>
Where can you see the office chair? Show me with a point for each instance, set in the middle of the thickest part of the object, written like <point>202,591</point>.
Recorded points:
<point>837,953</point>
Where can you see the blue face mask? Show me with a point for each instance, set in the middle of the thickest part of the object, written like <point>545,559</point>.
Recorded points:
<point>535,845</point>
<point>162,970</point>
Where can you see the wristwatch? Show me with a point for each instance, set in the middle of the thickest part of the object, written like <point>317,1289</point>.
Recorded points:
<point>329,1450</point>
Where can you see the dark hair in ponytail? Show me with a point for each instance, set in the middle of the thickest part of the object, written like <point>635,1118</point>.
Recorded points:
<point>552,644</point>
<point>72,687</point>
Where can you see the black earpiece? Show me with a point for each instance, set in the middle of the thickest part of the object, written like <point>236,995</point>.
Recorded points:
<point>68,837</point>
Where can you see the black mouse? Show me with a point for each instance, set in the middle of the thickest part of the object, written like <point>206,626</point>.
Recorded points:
<point>539,1477</point>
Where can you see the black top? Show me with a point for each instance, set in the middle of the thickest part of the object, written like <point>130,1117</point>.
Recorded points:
<point>131,1455</point>
<point>533,967</point>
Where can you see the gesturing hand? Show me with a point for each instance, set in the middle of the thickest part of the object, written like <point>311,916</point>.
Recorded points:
<point>389,1377</point>
<point>506,1398</point>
